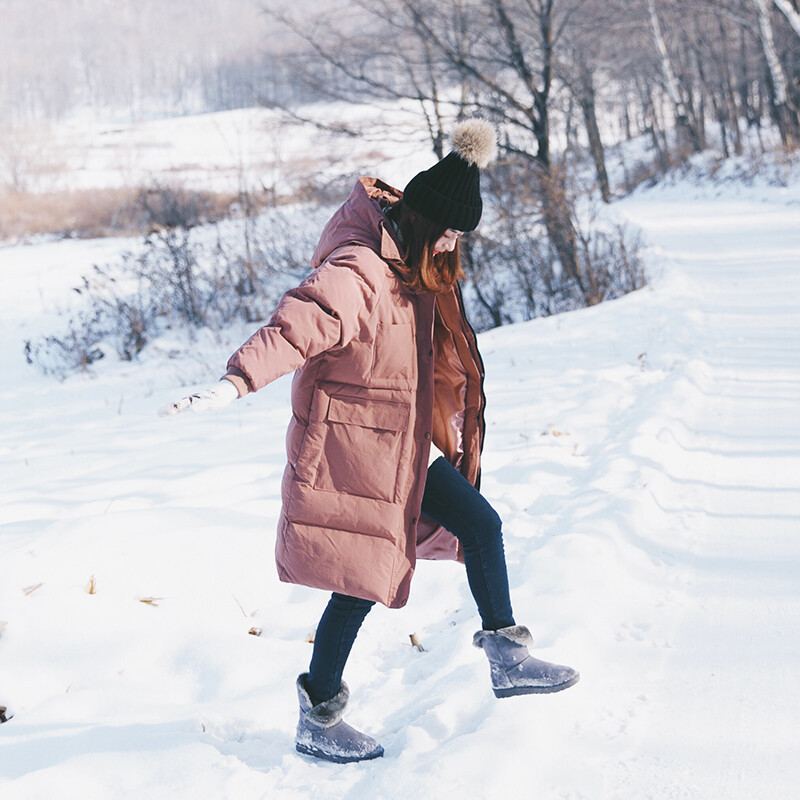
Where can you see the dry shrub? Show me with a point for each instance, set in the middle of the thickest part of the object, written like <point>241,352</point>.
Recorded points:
<point>515,272</point>
<point>92,213</point>
<point>180,278</point>
<point>74,348</point>
<point>26,213</point>
<point>641,173</point>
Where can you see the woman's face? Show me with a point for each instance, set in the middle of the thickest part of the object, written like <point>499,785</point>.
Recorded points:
<point>447,241</point>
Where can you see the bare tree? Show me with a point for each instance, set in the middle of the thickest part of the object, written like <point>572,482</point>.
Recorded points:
<point>785,111</point>
<point>601,47</point>
<point>587,99</point>
<point>685,120</point>
<point>509,67</point>
<point>333,66</point>
<point>455,62</point>
<point>506,60</point>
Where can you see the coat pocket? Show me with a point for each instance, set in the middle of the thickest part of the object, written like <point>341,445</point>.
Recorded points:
<point>362,446</point>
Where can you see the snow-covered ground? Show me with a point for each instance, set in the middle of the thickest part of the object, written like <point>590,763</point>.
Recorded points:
<point>645,457</point>
<point>250,148</point>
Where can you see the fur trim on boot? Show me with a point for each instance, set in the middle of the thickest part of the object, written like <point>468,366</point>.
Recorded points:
<point>514,670</point>
<point>323,715</point>
<point>322,733</point>
<point>516,633</point>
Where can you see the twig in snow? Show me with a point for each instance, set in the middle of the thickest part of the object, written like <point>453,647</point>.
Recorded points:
<point>244,613</point>
<point>28,590</point>
<point>551,430</point>
<point>415,642</point>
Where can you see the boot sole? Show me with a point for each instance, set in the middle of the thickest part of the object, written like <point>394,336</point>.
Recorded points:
<point>515,690</point>
<point>321,754</point>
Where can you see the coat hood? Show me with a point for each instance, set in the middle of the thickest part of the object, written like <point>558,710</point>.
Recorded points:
<point>361,221</point>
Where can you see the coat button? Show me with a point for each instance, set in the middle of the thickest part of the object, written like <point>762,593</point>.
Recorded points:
<point>413,520</point>
<point>427,437</point>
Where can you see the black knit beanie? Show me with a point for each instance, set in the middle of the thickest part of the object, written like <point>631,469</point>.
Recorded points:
<point>449,193</point>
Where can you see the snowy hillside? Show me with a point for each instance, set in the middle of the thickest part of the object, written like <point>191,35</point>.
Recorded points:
<point>645,456</point>
<point>251,148</point>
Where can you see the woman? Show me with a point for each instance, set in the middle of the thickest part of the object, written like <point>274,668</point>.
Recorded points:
<point>386,366</point>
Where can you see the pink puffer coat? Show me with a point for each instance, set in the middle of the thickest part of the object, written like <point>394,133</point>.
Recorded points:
<point>382,371</point>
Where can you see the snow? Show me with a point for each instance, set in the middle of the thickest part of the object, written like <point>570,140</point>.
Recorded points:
<point>644,455</point>
<point>250,148</point>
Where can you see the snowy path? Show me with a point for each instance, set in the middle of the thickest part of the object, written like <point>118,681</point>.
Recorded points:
<point>644,454</point>
<point>724,448</point>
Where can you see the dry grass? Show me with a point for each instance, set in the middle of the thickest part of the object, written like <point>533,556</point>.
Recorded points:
<point>93,213</point>
<point>151,601</point>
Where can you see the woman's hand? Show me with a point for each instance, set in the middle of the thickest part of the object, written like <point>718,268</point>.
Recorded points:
<point>212,399</point>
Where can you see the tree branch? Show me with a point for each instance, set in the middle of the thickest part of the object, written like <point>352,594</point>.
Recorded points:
<point>790,13</point>
<point>518,61</point>
<point>461,64</point>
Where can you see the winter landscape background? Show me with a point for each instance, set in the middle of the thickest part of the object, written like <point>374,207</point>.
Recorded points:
<point>644,453</point>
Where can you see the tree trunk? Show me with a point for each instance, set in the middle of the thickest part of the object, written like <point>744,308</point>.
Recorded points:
<point>586,98</point>
<point>727,86</point>
<point>786,116</point>
<point>651,126</point>
<point>683,120</point>
<point>626,116</point>
<point>743,84</point>
<point>557,218</point>
<point>700,113</point>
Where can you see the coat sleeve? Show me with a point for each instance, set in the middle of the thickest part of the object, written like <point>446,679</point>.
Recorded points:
<point>325,311</point>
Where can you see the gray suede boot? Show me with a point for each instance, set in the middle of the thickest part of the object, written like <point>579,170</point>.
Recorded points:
<point>321,731</point>
<point>514,670</point>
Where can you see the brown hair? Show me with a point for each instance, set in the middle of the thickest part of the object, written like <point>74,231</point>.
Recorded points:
<point>425,271</point>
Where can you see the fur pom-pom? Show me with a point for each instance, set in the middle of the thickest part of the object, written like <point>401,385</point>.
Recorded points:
<point>475,140</point>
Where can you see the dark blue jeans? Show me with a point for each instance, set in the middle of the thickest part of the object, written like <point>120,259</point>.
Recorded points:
<point>452,501</point>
